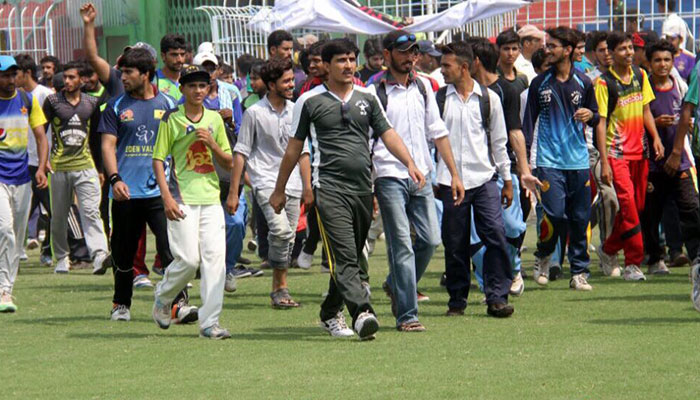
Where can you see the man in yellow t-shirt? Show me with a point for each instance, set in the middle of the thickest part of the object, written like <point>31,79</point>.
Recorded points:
<point>624,94</point>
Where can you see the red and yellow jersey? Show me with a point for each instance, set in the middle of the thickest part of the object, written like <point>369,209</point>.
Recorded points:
<point>625,130</point>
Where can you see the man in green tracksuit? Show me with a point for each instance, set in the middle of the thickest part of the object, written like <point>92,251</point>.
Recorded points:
<point>336,117</point>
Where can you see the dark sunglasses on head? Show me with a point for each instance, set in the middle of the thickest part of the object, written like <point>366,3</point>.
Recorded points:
<point>345,113</point>
<point>404,38</point>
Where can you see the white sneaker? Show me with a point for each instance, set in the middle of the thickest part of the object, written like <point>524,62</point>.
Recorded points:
<point>579,282</point>
<point>337,326</point>
<point>230,283</point>
<point>695,278</point>
<point>608,263</point>
<point>215,332</point>
<point>633,273</point>
<point>101,263</point>
<point>7,304</point>
<point>32,244</point>
<point>120,312</point>
<point>23,256</point>
<point>62,266</point>
<point>161,314</point>
<point>305,260</point>
<point>184,313</point>
<point>518,286</point>
<point>142,281</point>
<point>658,268</point>
<point>370,246</point>
<point>541,270</point>
<point>366,325</point>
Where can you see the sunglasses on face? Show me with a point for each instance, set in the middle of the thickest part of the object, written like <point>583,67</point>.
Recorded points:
<point>345,113</point>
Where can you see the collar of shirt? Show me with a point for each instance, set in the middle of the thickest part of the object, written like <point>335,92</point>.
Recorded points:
<point>347,98</point>
<point>389,79</point>
<point>287,106</point>
<point>614,73</point>
<point>476,90</point>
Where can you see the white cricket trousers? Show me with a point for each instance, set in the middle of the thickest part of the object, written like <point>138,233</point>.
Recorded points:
<point>197,241</point>
<point>15,201</point>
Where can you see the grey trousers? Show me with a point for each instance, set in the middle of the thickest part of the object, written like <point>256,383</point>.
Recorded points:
<point>86,186</point>
<point>14,214</point>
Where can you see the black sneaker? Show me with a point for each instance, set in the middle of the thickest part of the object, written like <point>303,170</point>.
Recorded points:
<point>241,272</point>
<point>555,272</point>
<point>244,261</point>
<point>254,272</point>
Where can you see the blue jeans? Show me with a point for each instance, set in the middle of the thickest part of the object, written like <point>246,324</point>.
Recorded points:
<point>402,205</point>
<point>515,227</point>
<point>235,232</point>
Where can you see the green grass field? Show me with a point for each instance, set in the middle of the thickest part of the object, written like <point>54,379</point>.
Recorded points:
<point>621,341</point>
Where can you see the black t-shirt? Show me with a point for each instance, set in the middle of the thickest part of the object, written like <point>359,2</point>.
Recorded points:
<point>510,99</point>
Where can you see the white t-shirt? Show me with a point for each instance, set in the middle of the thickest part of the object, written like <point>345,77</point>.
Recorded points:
<point>524,66</point>
<point>41,92</point>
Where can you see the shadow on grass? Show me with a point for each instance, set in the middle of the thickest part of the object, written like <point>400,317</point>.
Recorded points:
<point>129,335</point>
<point>61,320</point>
<point>636,298</point>
<point>645,321</point>
<point>74,288</point>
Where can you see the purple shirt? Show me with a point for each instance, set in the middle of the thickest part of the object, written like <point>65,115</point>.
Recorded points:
<point>684,63</point>
<point>667,102</point>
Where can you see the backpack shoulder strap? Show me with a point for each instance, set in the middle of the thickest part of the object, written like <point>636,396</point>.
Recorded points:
<point>637,74</point>
<point>440,98</point>
<point>613,93</point>
<point>485,109</point>
<point>381,93</point>
<point>423,91</point>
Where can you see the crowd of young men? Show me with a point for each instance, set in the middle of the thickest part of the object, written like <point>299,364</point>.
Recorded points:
<point>453,144</point>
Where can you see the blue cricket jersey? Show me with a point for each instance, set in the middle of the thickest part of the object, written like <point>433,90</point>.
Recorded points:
<point>559,141</point>
<point>135,124</point>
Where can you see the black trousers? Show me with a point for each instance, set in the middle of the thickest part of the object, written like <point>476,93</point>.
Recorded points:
<point>485,200</point>
<point>261,230</point>
<point>104,208</point>
<point>344,221</point>
<point>662,188</point>
<point>129,220</point>
<point>313,236</point>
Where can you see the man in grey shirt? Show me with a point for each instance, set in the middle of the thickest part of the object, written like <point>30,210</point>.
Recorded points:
<point>262,141</point>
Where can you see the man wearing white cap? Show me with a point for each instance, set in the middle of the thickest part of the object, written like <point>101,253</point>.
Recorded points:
<point>531,40</point>
<point>675,26</point>
<point>676,31</point>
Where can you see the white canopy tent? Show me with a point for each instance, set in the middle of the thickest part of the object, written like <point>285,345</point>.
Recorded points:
<point>341,16</point>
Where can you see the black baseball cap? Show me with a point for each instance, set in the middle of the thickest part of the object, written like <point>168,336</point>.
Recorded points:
<point>427,47</point>
<point>194,73</point>
<point>399,40</point>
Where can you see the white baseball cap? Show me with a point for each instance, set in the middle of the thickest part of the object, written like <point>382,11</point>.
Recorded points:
<point>200,58</point>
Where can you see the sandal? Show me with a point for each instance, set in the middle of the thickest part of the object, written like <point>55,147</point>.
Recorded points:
<point>282,300</point>
<point>414,326</point>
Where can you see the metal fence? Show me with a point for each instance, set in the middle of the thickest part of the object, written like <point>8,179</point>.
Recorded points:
<point>40,28</point>
<point>231,38</point>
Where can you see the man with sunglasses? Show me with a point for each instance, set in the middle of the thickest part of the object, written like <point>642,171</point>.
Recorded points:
<point>414,113</point>
<point>560,102</point>
<point>337,118</point>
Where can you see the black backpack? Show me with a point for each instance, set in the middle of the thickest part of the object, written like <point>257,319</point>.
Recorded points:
<point>484,107</point>
<point>614,87</point>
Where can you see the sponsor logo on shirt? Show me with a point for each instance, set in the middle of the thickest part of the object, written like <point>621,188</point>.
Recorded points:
<point>158,114</point>
<point>3,134</point>
<point>199,159</point>
<point>144,134</point>
<point>576,97</point>
<point>23,110</point>
<point>126,115</point>
<point>634,97</point>
<point>546,95</point>
<point>362,105</point>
